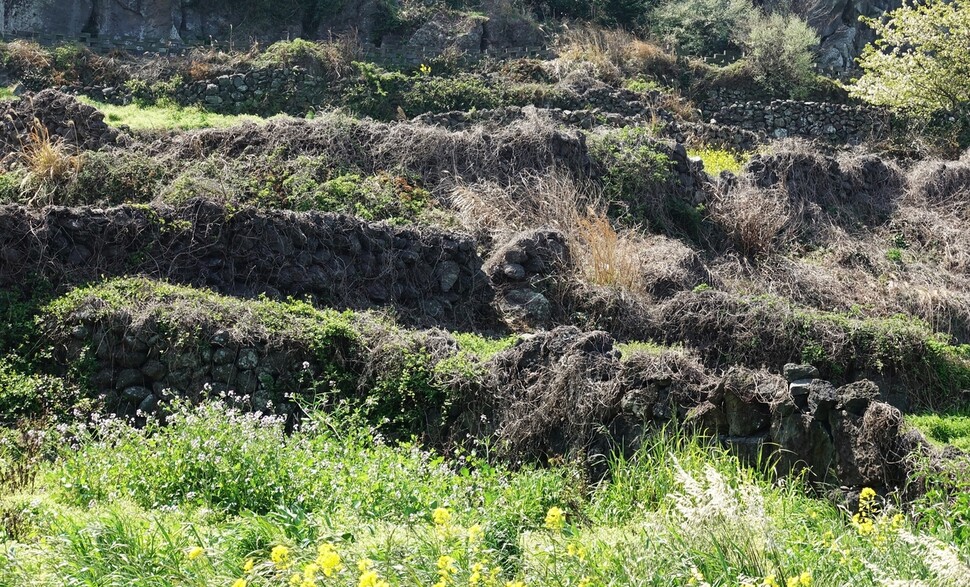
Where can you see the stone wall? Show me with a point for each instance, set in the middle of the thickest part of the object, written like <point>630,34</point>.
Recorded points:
<point>841,123</point>
<point>429,277</point>
<point>556,392</point>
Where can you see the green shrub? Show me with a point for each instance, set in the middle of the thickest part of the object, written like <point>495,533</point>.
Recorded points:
<point>437,94</point>
<point>781,54</point>
<point>376,93</point>
<point>116,177</point>
<point>26,396</point>
<point>634,173</point>
<point>320,59</point>
<point>702,27</point>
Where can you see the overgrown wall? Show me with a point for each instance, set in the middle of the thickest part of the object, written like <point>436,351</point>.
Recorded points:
<point>429,277</point>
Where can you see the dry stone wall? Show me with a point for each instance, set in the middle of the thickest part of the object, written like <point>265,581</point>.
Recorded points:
<point>841,123</point>
<point>430,277</point>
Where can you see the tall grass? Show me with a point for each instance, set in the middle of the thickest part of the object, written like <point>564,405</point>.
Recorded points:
<point>218,497</point>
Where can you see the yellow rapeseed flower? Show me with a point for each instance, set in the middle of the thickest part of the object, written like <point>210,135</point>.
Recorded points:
<point>475,533</point>
<point>867,493</point>
<point>441,516</point>
<point>280,555</point>
<point>310,571</point>
<point>371,579</point>
<point>239,583</point>
<point>770,581</point>
<point>195,552</point>
<point>476,576</point>
<point>801,580</point>
<point>555,518</point>
<point>248,565</point>
<point>328,559</point>
<point>514,584</point>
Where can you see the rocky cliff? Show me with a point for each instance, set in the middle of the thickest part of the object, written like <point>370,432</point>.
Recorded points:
<point>185,20</point>
<point>837,23</point>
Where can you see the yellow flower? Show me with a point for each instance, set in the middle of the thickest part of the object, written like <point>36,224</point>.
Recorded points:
<point>585,582</point>
<point>446,564</point>
<point>249,564</point>
<point>802,580</point>
<point>310,571</point>
<point>867,494</point>
<point>364,564</point>
<point>441,516</point>
<point>370,579</point>
<point>770,581</point>
<point>280,555</point>
<point>555,519</point>
<point>514,584</point>
<point>195,552</point>
<point>239,583</point>
<point>576,550</point>
<point>328,559</point>
<point>475,533</point>
<point>296,579</point>
<point>476,575</point>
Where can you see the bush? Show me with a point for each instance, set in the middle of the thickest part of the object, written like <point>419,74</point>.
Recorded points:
<point>330,60</point>
<point>117,177</point>
<point>635,172</point>
<point>436,94</point>
<point>918,66</point>
<point>780,49</point>
<point>702,27</point>
<point>29,396</point>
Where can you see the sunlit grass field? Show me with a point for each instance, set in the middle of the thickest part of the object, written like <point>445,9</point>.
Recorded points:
<point>218,497</point>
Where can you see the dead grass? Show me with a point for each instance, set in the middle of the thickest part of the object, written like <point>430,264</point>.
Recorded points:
<point>609,54</point>
<point>603,255</point>
<point>608,257</point>
<point>50,163</point>
<point>758,223</point>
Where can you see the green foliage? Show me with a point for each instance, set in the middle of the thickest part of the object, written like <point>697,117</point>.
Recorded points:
<point>949,428</point>
<point>702,27</point>
<point>25,397</point>
<point>781,54</point>
<point>10,187</point>
<point>117,177</point>
<point>895,255</point>
<point>918,62</point>
<point>380,197</point>
<point>319,59</point>
<point>438,94</point>
<point>164,115</point>
<point>376,93</point>
<point>634,171</point>
<point>157,505</point>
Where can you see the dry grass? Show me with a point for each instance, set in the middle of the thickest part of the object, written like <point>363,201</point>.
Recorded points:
<point>609,55</point>
<point>758,223</point>
<point>50,163</point>
<point>607,257</point>
<point>603,255</point>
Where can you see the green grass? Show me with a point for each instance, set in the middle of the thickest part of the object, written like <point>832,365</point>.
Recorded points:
<point>165,117</point>
<point>946,428</point>
<point>208,498</point>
